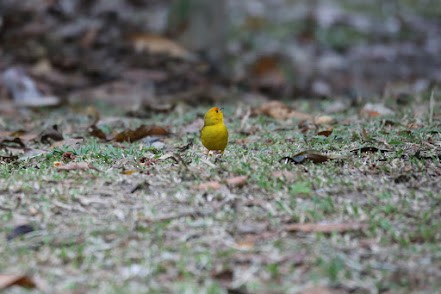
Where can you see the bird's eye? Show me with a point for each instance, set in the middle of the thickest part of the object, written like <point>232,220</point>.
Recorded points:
<point>217,111</point>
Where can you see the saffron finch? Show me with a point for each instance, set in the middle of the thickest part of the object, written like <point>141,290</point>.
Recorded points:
<point>214,134</point>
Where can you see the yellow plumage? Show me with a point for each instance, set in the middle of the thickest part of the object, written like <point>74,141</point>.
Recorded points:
<point>214,134</point>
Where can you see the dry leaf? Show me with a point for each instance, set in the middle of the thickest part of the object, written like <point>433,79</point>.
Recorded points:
<point>237,181</point>
<point>279,110</point>
<point>325,133</point>
<point>68,156</point>
<point>52,133</point>
<point>374,110</point>
<point>20,231</point>
<point>325,228</point>
<point>213,185</point>
<point>368,149</point>
<point>12,141</point>
<point>305,156</point>
<point>8,159</point>
<point>7,281</point>
<point>73,166</point>
<point>139,133</point>
<point>97,132</point>
<point>128,172</point>
<point>156,44</point>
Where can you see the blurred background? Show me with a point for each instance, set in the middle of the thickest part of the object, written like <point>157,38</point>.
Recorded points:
<point>139,52</point>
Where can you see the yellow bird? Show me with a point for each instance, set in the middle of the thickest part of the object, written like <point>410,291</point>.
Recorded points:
<point>214,134</point>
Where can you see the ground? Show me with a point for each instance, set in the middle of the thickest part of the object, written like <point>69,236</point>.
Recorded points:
<point>159,215</point>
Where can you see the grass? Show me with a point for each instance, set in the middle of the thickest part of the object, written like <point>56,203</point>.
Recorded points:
<point>93,232</point>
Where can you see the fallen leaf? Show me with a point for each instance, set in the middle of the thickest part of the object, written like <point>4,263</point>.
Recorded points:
<point>128,172</point>
<point>97,132</point>
<point>12,141</point>
<point>74,166</point>
<point>52,133</point>
<point>19,231</point>
<point>24,281</point>
<point>68,156</point>
<point>237,181</point>
<point>185,147</point>
<point>139,133</point>
<point>325,133</point>
<point>325,228</point>
<point>305,156</point>
<point>7,159</point>
<point>156,44</point>
<point>374,110</point>
<point>177,158</point>
<point>280,110</point>
<point>368,149</point>
<point>213,185</point>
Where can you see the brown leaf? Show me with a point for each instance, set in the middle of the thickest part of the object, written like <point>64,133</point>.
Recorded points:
<point>368,149</point>
<point>325,133</point>
<point>156,44</point>
<point>325,228</point>
<point>73,166</point>
<point>68,156</point>
<point>305,156</point>
<point>24,281</point>
<point>128,172</point>
<point>52,133</point>
<point>12,141</point>
<point>5,158</point>
<point>139,133</point>
<point>279,110</point>
<point>97,132</point>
